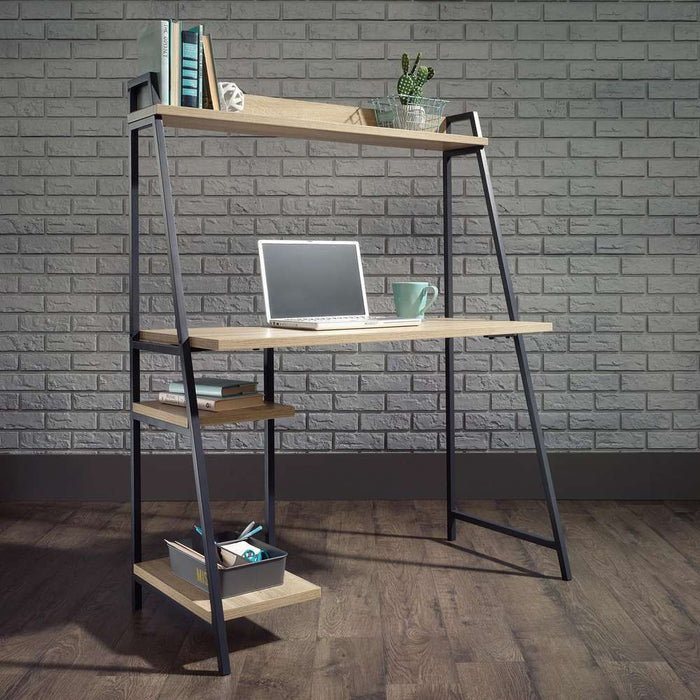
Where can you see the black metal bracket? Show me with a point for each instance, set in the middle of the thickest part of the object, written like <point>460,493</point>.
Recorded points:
<point>134,86</point>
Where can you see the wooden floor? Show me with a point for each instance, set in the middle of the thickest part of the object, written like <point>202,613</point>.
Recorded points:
<point>403,613</point>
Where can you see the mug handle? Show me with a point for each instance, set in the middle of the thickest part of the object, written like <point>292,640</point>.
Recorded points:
<point>430,288</point>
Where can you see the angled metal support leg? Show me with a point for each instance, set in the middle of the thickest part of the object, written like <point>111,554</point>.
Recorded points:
<point>558,542</point>
<point>135,364</point>
<point>269,391</point>
<point>200,471</point>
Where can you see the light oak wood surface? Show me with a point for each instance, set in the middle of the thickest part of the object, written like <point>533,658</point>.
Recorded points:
<point>253,337</point>
<point>267,116</point>
<point>293,590</point>
<point>177,415</point>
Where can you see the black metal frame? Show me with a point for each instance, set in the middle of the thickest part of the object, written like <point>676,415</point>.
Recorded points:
<point>183,350</point>
<point>558,542</point>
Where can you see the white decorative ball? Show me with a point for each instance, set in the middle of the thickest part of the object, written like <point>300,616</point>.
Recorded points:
<point>231,97</point>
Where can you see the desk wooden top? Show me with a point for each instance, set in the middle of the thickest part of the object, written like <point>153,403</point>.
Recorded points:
<point>253,337</point>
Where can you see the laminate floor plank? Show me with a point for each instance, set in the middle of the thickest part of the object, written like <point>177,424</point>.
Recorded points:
<point>674,571</point>
<point>100,580</point>
<point>474,617</point>
<point>483,680</point>
<point>606,628</point>
<point>283,667</point>
<point>645,680</point>
<point>675,528</point>
<point>68,558</point>
<point>642,595</point>
<point>416,646</point>
<point>559,663</point>
<point>20,515</point>
<point>404,615</point>
<point>348,668</point>
<point>350,599</point>
<point>145,652</point>
<point>349,655</point>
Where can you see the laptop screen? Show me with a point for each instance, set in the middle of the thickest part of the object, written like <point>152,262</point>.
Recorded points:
<point>312,279</point>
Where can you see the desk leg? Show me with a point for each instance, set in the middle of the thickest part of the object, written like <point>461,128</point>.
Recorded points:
<point>211,556</point>
<point>558,542</point>
<point>269,391</point>
<point>134,364</point>
<point>449,347</point>
<point>543,461</point>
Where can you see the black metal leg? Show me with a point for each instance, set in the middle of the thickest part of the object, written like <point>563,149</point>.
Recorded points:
<point>205,520</point>
<point>545,474</point>
<point>269,391</point>
<point>200,472</point>
<point>558,542</point>
<point>449,347</point>
<point>136,557</point>
<point>135,376</point>
<point>557,532</point>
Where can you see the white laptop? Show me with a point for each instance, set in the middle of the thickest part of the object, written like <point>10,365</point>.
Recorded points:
<point>317,286</point>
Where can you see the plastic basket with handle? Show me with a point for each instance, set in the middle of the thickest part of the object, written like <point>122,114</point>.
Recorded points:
<point>409,112</point>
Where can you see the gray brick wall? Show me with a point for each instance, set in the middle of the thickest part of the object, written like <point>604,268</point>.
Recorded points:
<point>593,110</point>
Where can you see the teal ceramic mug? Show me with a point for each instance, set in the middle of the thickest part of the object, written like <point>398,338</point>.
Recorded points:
<point>411,298</point>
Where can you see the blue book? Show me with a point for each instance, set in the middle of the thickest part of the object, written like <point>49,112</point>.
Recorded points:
<point>218,388</point>
<point>189,69</point>
<point>200,66</point>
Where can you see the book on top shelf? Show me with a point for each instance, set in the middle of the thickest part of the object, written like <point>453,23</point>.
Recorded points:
<point>189,40</point>
<point>174,63</point>
<point>206,403</point>
<point>211,92</point>
<point>153,41</point>
<point>213,387</point>
<point>183,61</point>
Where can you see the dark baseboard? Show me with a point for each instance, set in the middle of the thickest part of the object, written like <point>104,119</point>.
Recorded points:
<point>395,476</point>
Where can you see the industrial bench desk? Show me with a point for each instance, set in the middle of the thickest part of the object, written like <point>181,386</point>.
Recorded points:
<point>265,116</point>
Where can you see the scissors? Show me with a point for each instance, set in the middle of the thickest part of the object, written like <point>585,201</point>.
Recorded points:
<point>248,532</point>
<point>251,556</point>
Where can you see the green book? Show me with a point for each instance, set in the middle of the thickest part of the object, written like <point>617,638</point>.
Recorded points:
<point>218,388</point>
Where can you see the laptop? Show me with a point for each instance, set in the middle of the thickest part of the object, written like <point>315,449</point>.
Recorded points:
<point>317,286</point>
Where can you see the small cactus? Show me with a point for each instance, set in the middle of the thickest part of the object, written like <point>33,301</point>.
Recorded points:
<point>411,83</point>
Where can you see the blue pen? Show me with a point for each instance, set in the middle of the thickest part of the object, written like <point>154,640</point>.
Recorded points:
<point>250,534</point>
<point>198,530</point>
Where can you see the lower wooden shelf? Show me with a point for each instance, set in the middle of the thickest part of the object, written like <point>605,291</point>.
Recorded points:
<point>293,590</point>
<point>177,415</point>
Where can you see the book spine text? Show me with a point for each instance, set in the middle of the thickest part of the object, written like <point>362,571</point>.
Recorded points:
<point>164,86</point>
<point>180,400</point>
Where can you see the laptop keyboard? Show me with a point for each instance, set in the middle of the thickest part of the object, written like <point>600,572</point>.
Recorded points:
<point>321,319</point>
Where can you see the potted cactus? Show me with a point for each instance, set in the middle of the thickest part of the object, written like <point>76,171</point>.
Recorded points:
<point>410,89</point>
<point>409,109</point>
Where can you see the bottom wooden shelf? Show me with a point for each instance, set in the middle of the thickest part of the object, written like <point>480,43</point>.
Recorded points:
<point>294,590</point>
<point>177,415</point>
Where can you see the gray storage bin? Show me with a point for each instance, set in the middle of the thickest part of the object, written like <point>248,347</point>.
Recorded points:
<point>235,580</point>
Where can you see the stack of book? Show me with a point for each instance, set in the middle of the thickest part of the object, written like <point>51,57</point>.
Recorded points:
<point>215,394</point>
<point>184,62</point>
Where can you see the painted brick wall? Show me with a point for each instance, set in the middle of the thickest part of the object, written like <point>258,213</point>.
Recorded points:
<point>593,110</point>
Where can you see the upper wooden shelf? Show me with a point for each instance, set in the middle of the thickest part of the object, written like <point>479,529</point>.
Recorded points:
<point>296,119</point>
<point>255,337</point>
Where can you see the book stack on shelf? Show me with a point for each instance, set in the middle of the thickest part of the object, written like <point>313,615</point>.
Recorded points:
<point>215,394</point>
<point>184,62</point>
